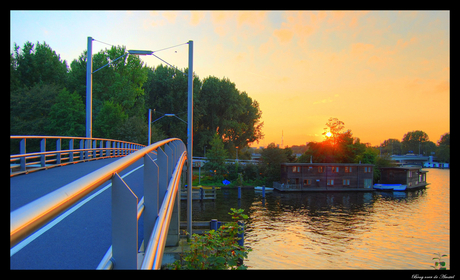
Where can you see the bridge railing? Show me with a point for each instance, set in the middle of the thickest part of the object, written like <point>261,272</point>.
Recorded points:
<point>161,184</point>
<point>89,149</point>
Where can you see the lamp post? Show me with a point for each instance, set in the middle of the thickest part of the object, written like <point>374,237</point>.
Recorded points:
<point>89,92</point>
<point>190,137</point>
<point>89,85</point>
<point>89,128</point>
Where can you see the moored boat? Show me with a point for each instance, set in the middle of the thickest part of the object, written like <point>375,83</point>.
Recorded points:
<point>258,188</point>
<point>390,187</point>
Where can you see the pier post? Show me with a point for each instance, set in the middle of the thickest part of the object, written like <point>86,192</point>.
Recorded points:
<point>263,191</point>
<point>241,233</point>
<point>239,192</point>
<point>215,225</point>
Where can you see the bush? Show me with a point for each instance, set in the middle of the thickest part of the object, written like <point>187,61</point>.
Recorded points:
<point>217,249</point>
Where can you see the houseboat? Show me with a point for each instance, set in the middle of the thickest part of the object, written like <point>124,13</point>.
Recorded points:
<point>401,178</point>
<point>325,177</point>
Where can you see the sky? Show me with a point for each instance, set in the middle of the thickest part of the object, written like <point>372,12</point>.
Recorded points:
<point>383,73</point>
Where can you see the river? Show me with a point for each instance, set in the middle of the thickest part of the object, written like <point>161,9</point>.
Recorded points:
<point>342,230</point>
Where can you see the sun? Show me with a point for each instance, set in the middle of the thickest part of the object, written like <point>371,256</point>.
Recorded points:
<point>328,134</point>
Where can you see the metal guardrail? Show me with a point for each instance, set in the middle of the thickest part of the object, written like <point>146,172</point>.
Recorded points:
<point>90,149</point>
<point>161,183</point>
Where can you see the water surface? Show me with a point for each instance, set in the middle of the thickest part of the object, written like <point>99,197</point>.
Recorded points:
<point>349,230</point>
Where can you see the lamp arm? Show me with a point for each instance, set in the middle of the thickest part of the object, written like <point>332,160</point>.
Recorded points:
<point>110,62</point>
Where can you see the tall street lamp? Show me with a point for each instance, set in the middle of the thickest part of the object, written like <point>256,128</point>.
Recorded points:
<point>89,85</point>
<point>89,116</point>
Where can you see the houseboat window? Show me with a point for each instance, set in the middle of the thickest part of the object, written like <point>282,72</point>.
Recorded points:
<point>367,169</point>
<point>330,182</point>
<point>348,169</point>
<point>335,169</point>
<point>306,182</point>
<point>296,169</point>
<point>320,169</point>
<point>346,182</point>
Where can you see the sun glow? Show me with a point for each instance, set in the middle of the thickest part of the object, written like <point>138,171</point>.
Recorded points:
<point>328,134</point>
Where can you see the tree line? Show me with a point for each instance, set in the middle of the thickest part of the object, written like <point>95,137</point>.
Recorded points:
<point>48,97</point>
<point>339,146</point>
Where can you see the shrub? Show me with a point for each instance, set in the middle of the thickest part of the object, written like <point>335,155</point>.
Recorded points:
<point>217,249</point>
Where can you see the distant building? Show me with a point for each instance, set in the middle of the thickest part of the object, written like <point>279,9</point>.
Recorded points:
<point>432,163</point>
<point>326,176</point>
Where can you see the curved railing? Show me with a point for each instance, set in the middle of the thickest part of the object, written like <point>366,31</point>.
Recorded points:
<point>161,183</point>
<point>89,149</point>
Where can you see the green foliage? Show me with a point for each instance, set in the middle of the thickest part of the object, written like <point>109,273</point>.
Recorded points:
<point>217,250</point>
<point>340,147</point>
<point>272,157</point>
<point>36,64</point>
<point>216,158</point>
<point>440,264</point>
<point>30,108</point>
<point>412,140</point>
<point>443,148</point>
<point>123,91</point>
<point>230,113</point>
<point>67,115</point>
<point>108,119</point>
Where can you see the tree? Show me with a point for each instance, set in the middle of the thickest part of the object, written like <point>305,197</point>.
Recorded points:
<point>443,148</point>
<point>38,64</point>
<point>272,157</point>
<point>67,115</point>
<point>233,115</point>
<point>412,141</point>
<point>134,129</point>
<point>391,147</point>
<point>339,147</point>
<point>166,92</point>
<point>216,157</point>
<point>108,119</point>
<point>30,107</point>
<point>333,126</point>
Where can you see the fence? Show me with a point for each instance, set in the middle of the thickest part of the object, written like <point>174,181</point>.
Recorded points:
<point>89,149</point>
<point>161,184</point>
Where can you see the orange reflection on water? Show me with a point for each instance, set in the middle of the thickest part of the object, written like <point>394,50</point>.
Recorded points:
<point>352,230</point>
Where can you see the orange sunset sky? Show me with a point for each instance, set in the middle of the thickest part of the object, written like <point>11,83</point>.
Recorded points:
<point>383,73</point>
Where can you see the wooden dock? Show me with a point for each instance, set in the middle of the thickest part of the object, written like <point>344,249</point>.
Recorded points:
<point>300,188</point>
<point>199,194</point>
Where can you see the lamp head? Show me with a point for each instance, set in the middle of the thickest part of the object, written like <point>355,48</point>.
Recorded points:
<point>139,52</point>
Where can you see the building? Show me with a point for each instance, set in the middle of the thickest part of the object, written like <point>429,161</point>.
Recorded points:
<point>412,177</point>
<point>435,164</point>
<point>326,177</point>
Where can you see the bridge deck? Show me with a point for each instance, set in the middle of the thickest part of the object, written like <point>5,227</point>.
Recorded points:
<point>81,238</point>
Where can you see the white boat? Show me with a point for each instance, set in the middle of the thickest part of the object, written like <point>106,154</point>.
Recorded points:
<point>390,187</point>
<point>260,188</point>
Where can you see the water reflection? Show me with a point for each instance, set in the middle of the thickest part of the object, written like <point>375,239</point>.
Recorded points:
<point>377,230</point>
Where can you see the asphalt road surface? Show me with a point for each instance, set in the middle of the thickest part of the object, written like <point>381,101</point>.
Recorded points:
<point>79,238</point>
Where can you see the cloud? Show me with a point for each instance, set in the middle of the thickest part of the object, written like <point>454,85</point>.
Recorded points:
<point>326,100</point>
<point>283,35</point>
<point>358,49</point>
<point>196,18</point>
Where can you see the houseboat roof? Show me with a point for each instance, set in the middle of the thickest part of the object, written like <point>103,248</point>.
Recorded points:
<point>404,168</point>
<point>325,164</point>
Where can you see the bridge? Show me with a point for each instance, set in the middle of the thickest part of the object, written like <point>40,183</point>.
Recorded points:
<point>105,204</point>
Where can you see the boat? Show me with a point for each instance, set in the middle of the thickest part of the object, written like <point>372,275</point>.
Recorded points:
<point>390,187</point>
<point>258,188</point>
